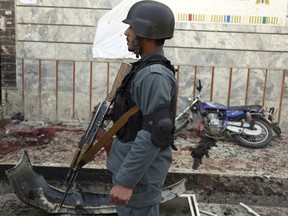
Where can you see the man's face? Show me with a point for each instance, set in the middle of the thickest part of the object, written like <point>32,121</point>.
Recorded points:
<point>130,37</point>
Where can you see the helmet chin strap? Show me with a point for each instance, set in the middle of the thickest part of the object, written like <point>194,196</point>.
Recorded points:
<point>137,48</point>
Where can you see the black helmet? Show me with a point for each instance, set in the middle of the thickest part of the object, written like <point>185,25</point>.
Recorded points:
<point>151,19</point>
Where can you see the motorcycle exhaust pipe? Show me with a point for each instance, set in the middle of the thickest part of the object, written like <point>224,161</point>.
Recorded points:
<point>240,128</point>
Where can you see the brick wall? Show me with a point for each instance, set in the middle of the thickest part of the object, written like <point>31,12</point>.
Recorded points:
<point>7,41</point>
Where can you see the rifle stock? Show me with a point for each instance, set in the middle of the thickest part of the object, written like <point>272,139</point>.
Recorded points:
<point>86,141</point>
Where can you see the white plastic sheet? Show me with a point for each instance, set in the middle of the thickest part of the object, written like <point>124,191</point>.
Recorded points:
<point>110,41</point>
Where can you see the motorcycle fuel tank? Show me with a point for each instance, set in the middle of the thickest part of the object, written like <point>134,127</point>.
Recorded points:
<point>230,114</point>
<point>211,105</point>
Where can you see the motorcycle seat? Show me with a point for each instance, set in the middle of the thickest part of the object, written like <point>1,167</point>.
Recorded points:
<point>249,108</point>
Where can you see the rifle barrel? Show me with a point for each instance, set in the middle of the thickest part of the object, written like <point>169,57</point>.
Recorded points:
<point>72,179</point>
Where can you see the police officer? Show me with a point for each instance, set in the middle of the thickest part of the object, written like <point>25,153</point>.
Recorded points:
<point>141,154</point>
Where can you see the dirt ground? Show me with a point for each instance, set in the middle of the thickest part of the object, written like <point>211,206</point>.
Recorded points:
<point>10,205</point>
<point>53,144</point>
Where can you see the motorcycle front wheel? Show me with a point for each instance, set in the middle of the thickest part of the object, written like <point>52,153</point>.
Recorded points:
<point>259,141</point>
<point>181,121</point>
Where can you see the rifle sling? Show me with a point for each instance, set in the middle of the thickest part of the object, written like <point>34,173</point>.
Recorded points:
<point>109,134</point>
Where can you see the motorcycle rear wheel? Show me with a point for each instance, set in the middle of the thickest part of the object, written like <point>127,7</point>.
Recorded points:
<point>181,121</point>
<point>259,141</point>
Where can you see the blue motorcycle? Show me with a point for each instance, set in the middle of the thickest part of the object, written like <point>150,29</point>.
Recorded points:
<point>250,126</point>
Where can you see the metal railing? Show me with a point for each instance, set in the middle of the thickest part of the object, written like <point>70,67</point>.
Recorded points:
<point>279,101</point>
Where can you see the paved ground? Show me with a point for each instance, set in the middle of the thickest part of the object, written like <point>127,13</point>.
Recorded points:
<point>54,145</point>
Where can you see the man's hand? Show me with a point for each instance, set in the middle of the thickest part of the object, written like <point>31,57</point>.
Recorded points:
<point>120,195</point>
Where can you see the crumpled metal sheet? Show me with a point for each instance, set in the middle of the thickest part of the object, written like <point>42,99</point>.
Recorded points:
<point>33,190</point>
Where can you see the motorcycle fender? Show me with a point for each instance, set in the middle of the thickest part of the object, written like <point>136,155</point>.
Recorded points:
<point>245,131</point>
<point>32,189</point>
<point>274,125</point>
<point>256,115</point>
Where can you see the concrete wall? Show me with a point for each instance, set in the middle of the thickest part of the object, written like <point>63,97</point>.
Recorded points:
<point>7,43</point>
<point>226,57</point>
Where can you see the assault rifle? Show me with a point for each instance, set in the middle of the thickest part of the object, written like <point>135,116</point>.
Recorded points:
<point>85,148</point>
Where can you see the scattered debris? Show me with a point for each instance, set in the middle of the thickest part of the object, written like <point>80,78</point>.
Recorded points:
<point>33,190</point>
<point>249,209</point>
<point>4,123</point>
<point>229,212</point>
<point>202,149</point>
<point>207,213</point>
<point>17,117</point>
<point>227,158</point>
<point>193,205</point>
